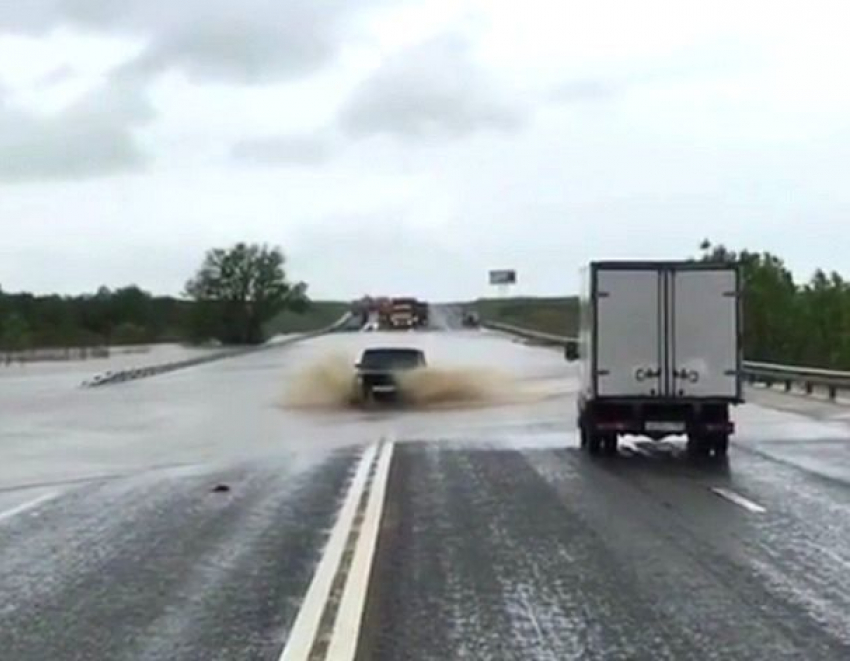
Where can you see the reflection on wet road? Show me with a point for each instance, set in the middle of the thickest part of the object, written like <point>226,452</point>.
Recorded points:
<point>497,538</point>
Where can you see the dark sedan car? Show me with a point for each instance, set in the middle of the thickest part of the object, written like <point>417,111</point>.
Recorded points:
<point>378,369</point>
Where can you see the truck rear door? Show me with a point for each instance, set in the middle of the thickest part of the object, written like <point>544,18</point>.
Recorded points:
<point>703,308</point>
<point>629,350</point>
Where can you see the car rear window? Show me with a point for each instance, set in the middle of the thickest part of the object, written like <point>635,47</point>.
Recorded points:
<point>395,358</point>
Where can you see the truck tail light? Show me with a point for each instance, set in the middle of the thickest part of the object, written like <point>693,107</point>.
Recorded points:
<point>613,426</point>
<point>720,427</point>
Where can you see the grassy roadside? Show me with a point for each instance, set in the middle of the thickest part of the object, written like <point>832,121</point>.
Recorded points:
<point>319,315</point>
<point>545,314</point>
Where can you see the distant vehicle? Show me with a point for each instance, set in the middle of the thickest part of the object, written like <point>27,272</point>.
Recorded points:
<point>378,370</point>
<point>659,353</point>
<point>422,314</point>
<point>371,323</point>
<point>98,380</point>
<point>470,319</point>
<point>403,313</point>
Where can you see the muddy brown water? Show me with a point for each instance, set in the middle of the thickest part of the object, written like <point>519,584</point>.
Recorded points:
<point>329,383</point>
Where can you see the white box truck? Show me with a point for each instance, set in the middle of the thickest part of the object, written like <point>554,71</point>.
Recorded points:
<point>660,353</point>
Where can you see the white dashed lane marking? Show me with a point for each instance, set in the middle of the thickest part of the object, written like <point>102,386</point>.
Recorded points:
<point>739,500</point>
<point>28,505</point>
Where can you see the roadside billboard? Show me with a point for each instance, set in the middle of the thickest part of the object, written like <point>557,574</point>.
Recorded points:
<point>503,277</point>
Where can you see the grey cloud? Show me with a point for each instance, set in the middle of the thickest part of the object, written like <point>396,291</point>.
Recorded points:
<point>38,150</point>
<point>89,139</point>
<point>283,150</point>
<point>434,89</point>
<point>34,16</point>
<point>120,100</point>
<point>249,41</point>
<point>246,52</point>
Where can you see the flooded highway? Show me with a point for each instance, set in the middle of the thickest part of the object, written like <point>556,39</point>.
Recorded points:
<point>188,516</point>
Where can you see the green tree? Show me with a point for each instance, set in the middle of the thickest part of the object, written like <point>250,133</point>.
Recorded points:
<point>119,316</point>
<point>129,333</point>
<point>825,305</point>
<point>15,333</point>
<point>239,289</point>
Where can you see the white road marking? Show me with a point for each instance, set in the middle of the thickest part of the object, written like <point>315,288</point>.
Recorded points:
<point>739,500</point>
<point>306,624</point>
<point>23,507</point>
<point>346,631</point>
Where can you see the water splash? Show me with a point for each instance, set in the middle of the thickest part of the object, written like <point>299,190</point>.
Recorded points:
<point>330,383</point>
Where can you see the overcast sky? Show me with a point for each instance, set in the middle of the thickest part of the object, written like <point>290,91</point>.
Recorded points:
<point>408,147</point>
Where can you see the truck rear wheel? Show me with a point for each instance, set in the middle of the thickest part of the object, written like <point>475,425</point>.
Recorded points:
<point>720,445</point>
<point>698,446</point>
<point>594,443</point>
<point>716,445</point>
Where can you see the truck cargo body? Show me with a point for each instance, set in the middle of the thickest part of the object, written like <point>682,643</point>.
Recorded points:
<point>402,313</point>
<point>660,353</point>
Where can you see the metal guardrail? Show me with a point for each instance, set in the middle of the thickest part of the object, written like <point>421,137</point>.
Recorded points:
<point>808,378</point>
<point>527,333</point>
<point>132,374</point>
<point>769,374</point>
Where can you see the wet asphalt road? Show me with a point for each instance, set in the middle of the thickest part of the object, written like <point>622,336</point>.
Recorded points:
<point>161,567</point>
<point>499,539</point>
<point>545,554</point>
